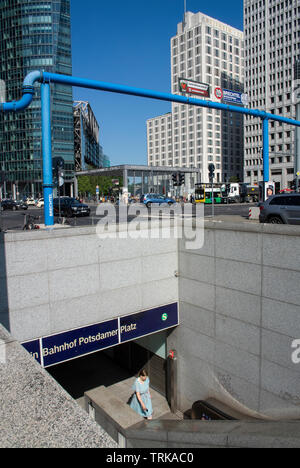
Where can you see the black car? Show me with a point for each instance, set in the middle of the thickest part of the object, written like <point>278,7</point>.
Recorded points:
<point>13,205</point>
<point>70,207</point>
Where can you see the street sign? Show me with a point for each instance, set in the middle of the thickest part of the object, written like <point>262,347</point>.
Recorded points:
<point>219,93</point>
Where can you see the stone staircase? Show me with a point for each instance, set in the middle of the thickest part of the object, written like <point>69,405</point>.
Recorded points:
<point>113,401</point>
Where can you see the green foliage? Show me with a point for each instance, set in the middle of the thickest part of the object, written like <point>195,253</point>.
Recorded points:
<point>234,180</point>
<point>87,185</point>
<point>84,185</point>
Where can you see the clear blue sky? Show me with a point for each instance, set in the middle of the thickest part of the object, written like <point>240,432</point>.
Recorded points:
<point>128,42</point>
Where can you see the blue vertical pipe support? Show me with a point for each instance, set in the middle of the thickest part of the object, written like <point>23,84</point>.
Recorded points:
<point>47,154</point>
<point>266,154</point>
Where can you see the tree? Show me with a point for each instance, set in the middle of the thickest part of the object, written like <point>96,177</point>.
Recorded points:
<point>234,180</point>
<point>88,184</point>
<point>84,185</point>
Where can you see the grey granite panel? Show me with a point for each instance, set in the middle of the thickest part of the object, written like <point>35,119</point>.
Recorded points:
<point>197,318</point>
<point>281,285</point>
<point>282,252</point>
<point>231,245</point>
<point>238,333</point>
<point>197,267</point>
<point>281,317</point>
<point>69,283</point>
<point>241,276</point>
<point>198,294</point>
<point>238,305</point>
<point>28,291</point>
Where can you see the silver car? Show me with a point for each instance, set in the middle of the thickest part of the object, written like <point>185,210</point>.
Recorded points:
<point>281,209</point>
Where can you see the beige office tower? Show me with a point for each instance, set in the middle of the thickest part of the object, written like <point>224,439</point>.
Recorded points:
<point>272,46</point>
<point>209,53</point>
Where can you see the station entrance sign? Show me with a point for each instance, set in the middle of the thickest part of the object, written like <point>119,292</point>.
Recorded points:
<point>56,349</point>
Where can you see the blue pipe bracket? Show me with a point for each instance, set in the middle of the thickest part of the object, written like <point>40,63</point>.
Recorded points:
<point>46,78</point>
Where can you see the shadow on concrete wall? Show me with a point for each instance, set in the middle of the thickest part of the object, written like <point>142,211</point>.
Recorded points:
<point>4,312</point>
<point>87,373</point>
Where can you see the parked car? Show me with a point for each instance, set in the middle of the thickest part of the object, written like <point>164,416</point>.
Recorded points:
<point>281,209</point>
<point>21,205</point>
<point>30,202</point>
<point>40,203</point>
<point>153,198</point>
<point>13,205</point>
<point>70,207</point>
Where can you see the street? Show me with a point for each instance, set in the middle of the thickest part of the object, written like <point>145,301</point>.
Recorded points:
<point>14,221</point>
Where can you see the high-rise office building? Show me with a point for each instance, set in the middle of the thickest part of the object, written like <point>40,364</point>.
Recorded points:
<point>210,52</point>
<point>88,151</point>
<point>86,138</point>
<point>34,35</point>
<point>272,47</point>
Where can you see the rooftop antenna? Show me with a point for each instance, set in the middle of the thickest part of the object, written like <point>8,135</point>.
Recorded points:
<point>184,18</point>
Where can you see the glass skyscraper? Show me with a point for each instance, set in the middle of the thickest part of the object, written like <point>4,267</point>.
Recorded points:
<point>34,35</point>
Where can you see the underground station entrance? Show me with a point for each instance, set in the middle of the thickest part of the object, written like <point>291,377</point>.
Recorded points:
<point>105,379</point>
<point>98,365</point>
<point>109,366</point>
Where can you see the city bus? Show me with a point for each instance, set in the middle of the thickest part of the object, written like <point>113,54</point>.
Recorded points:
<point>203,193</point>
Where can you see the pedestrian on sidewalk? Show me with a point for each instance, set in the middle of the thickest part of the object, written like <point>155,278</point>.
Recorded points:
<point>141,401</point>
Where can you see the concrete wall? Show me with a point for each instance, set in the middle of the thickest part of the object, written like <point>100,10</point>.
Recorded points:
<point>239,312</point>
<point>239,303</point>
<point>52,282</point>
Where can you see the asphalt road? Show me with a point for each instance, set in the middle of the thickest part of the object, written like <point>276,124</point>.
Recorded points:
<point>14,221</point>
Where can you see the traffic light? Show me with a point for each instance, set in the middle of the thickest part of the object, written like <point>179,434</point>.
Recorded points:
<point>178,179</point>
<point>175,180</point>
<point>58,165</point>
<point>211,169</point>
<point>181,179</point>
<point>60,176</point>
<point>294,185</point>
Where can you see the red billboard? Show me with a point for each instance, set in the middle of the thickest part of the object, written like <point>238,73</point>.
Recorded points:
<point>194,87</point>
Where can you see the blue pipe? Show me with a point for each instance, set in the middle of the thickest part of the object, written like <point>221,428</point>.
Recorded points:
<point>47,154</point>
<point>46,78</point>
<point>41,76</point>
<point>28,94</point>
<point>266,155</point>
<point>121,89</point>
